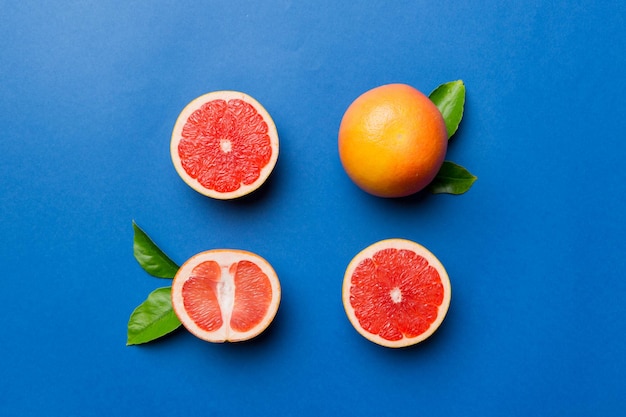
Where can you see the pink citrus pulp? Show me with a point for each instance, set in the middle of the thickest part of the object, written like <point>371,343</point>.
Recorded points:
<point>224,144</point>
<point>396,293</point>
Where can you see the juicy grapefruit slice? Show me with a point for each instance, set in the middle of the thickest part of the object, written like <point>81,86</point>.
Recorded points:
<point>224,144</point>
<point>226,295</point>
<point>396,293</point>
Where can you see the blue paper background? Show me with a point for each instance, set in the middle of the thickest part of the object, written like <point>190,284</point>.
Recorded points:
<point>90,91</point>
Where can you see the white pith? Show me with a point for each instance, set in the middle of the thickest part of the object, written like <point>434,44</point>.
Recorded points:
<point>225,147</point>
<point>396,295</point>
<point>225,294</point>
<point>397,244</point>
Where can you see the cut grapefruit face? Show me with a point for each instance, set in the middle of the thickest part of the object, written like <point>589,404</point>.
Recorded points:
<point>224,144</point>
<point>396,293</point>
<point>226,295</point>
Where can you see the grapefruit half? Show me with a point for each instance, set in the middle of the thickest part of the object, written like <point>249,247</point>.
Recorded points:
<point>226,295</point>
<point>224,144</point>
<point>396,293</point>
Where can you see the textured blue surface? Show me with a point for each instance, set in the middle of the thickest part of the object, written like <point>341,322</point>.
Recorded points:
<point>535,250</point>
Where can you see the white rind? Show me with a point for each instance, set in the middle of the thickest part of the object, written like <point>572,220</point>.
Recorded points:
<point>177,135</point>
<point>225,258</point>
<point>398,244</point>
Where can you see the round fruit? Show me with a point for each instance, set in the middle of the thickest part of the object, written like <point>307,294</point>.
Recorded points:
<point>224,144</point>
<point>226,295</point>
<point>392,141</point>
<point>396,293</point>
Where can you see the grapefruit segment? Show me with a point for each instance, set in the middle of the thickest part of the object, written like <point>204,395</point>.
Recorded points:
<point>200,296</point>
<point>224,144</point>
<point>396,293</point>
<point>253,293</point>
<point>226,295</point>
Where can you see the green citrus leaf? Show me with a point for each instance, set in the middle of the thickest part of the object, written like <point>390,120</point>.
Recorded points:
<point>452,179</point>
<point>150,257</point>
<point>153,318</point>
<point>450,99</point>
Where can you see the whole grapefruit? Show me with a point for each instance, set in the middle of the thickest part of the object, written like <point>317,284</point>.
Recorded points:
<point>392,141</point>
